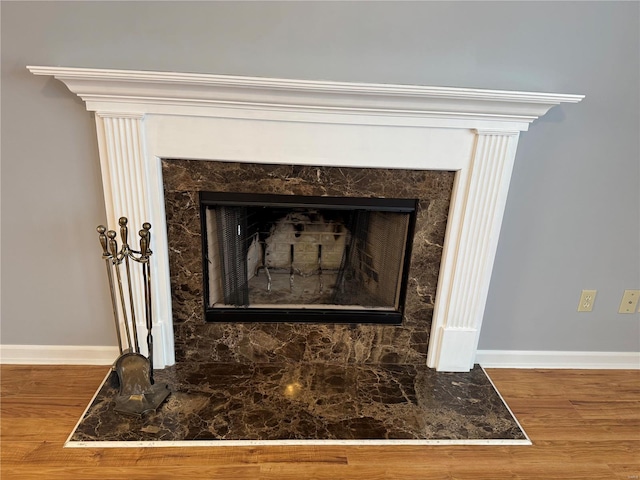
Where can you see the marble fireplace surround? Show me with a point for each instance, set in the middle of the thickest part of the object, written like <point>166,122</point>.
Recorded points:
<point>143,117</point>
<point>325,342</point>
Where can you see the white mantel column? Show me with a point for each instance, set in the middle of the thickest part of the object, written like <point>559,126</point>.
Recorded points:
<point>479,200</point>
<point>126,186</point>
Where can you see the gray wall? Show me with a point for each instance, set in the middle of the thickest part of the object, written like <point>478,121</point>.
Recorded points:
<point>573,212</point>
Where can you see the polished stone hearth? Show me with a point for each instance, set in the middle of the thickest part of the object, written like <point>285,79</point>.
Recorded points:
<point>271,403</point>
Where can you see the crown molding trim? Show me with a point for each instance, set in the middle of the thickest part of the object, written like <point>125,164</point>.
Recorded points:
<point>143,92</point>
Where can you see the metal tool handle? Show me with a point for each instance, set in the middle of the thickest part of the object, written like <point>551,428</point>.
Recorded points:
<point>146,226</point>
<point>124,231</point>
<point>144,242</point>
<point>114,303</point>
<point>113,244</point>
<point>124,235</point>
<point>113,247</point>
<point>103,240</point>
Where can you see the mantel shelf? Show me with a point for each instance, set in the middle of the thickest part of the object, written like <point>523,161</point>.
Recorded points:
<point>143,92</point>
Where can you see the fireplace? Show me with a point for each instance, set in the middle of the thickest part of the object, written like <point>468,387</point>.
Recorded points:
<point>280,258</point>
<point>145,117</point>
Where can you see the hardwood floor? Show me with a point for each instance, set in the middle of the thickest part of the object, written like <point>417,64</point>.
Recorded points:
<point>584,424</point>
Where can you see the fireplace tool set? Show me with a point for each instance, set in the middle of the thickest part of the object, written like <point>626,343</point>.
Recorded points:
<point>138,392</point>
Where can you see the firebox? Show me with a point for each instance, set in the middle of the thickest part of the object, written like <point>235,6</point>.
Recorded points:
<point>291,258</point>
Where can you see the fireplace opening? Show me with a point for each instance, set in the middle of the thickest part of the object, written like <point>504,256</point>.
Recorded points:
<point>291,258</point>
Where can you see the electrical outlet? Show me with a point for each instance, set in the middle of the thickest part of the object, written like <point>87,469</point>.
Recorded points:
<point>629,301</point>
<point>586,300</point>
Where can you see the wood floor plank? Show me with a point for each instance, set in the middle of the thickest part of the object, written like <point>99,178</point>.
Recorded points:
<point>32,407</point>
<point>628,471</point>
<point>51,380</point>
<point>35,429</point>
<point>583,424</point>
<point>137,473</point>
<point>600,409</point>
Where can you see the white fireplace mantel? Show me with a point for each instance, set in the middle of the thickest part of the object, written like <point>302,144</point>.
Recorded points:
<point>143,117</point>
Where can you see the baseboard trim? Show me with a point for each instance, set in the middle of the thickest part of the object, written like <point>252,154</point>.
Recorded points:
<point>570,360</point>
<point>57,355</point>
<point>101,355</point>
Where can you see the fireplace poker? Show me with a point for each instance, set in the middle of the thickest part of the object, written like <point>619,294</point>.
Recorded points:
<point>107,257</point>
<point>124,233</point>
<point>145,252</point>
<point>113,246</point>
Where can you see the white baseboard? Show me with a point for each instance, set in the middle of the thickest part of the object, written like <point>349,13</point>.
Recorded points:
<point>544,359</point>
<point>99,355</point>
<point>57,354</point>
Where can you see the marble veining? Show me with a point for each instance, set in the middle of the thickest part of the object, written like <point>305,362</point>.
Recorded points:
<point>201,342</point>
<point>307,401</point>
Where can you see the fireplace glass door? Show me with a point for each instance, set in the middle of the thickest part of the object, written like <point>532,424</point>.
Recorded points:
<point>305,259</point>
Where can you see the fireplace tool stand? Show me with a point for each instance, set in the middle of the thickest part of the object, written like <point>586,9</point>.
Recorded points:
<point>138,393</point>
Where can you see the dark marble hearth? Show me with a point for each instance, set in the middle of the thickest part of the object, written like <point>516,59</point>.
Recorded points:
<point>214,403</point>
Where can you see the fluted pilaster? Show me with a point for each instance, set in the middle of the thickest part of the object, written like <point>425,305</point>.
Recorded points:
<point>479,205</point>
<point>126,186</point>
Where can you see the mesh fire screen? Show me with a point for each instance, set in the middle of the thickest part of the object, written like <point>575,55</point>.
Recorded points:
<point>292,258</point>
